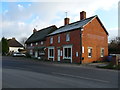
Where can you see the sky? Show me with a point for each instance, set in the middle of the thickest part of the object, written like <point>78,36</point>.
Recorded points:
<point>18,18</point>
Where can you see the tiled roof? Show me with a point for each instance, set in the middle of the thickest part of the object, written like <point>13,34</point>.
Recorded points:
<point>14,43</point>
<point>41,34</point>
<point>72,26</point>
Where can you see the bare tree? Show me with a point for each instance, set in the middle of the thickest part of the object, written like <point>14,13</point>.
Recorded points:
<point>22,41</point>
<point>114,46</point>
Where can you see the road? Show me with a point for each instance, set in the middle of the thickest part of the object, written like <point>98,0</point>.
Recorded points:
<point>20,72</point>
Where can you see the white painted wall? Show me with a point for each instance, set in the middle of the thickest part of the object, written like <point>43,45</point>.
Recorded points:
<point>15,49</point>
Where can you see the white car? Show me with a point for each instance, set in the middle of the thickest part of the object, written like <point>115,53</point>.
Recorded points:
<point>18,54</point>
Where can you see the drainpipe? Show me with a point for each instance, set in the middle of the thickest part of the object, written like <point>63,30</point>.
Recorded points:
<point>80,45</point>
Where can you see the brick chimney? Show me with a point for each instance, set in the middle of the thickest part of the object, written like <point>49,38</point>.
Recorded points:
<point>34,30</point>
<point>82,15</point>
<point>66,21</point>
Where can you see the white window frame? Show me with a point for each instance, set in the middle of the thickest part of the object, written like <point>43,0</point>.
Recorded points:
<point>58,39</point>
<point>67,37</point>
<point>69,46</point>
<point>41,42</point>
<point>101,52</point>
<point>89,52</point>
<point>49,53</point>
<point>51,40</point>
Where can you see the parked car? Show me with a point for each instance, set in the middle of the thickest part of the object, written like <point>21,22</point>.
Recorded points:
<point>18,54</point>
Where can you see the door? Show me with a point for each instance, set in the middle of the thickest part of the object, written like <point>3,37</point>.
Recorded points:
<point>58,54</point>
<point>36,54</point>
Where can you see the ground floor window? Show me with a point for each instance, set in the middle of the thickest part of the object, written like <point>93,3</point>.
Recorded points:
<point>90,52</point>
<point>41,52</point>
<point>67,52</point>
<point>51,52</point>
<point>102,52</point>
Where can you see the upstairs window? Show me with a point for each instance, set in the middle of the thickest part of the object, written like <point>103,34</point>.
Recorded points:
<point>41,42</point>
<point>58,39</point>
<point>102,52</point>
<point>36,43</point>
<point>89,52</point>
<point>67,37</point>
<point>51,40</point>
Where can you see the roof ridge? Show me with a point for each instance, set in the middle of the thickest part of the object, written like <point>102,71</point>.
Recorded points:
<point>78,21</point>
<point>41,34</point>
<point>46,28</point>
<point>73,25</point>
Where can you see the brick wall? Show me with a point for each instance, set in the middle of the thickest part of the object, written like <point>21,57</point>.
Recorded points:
<point>74,40</point>
<point>94,36</point>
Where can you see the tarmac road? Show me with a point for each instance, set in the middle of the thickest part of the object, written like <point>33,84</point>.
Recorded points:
<point>20,72</point>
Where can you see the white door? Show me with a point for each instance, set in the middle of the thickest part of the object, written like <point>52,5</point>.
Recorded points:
<point>36,54</point>
<point>58,54</point>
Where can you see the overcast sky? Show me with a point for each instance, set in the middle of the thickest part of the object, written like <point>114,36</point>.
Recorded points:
<point>18,19</point>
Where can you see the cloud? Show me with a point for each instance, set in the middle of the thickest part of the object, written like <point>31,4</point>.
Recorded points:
<point>20,7</point>
<point>47,13</point>
<point>16,29</point>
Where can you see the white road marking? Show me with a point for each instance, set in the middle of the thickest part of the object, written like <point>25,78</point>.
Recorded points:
<point>80,77</point>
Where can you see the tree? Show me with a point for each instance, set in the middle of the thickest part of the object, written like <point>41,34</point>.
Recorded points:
<point>22,41</point>
<point>114,46</point>
<point>5,47</point>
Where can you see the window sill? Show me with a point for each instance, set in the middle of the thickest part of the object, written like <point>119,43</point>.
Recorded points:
<point>67,41</point>
<point>89,56</point>
<point>50,57</point>
<point>67,58</point>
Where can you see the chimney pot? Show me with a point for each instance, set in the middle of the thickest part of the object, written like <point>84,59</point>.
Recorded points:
<point>82,15</point>
<point>66,21</point>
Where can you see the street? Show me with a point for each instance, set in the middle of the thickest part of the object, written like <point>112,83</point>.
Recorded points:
<point>20,72</point>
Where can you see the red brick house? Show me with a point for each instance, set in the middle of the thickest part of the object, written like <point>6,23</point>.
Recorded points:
<point>83,41</point>
<point>35,44</point>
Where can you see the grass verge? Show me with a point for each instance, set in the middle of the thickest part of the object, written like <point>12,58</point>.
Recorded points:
<point>110,66</point>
